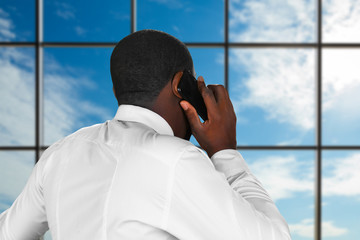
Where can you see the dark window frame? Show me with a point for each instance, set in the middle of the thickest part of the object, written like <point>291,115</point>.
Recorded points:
<point>318,147</point>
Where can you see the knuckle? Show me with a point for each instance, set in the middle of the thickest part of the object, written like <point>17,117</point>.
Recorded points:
<point>201,84</point>
<point>222,89</point>
<point>206,92</point>
<point>219,89</point>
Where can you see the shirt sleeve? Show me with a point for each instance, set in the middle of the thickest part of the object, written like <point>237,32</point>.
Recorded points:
<point>26,218</point>
<point>220,199</point>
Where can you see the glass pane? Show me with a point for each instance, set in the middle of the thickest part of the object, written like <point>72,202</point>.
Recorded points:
<point>190,21</point>
<point>83,21</point>
<point>341,98</point>
<point>17,96</point>
<point>15,169</point>
<point>17,20</point>
<point>341,21</point>
<point>78,90</point>
<point>288,176</point>
<point>272,21</point>
<point>341,194</point>
<point>209,63</point>
<point>273,94</point>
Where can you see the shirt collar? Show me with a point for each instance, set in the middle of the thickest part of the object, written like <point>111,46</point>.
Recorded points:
<point>145,116</point>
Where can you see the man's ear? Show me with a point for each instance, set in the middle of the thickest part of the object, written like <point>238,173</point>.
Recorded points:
<point>175,83</point>
<point>114,91</point>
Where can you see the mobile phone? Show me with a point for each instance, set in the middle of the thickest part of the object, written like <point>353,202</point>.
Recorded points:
<point>188,89</point>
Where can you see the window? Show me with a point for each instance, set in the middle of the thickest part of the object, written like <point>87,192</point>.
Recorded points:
<point>291,68</point>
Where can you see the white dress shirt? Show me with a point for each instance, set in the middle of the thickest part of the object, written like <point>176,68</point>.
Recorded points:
<point>131,178</point>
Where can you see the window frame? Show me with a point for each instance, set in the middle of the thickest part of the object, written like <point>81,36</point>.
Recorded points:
<point>318,46</point>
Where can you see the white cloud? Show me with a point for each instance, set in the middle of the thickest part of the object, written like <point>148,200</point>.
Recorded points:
<point>17,97</point>
<point>306,229</point>
<point>176,28</point>
<point>278,81</point>
<point>341,21</point>
<point>283,177</point>
<point>65,10</point>
<point>80,31</point>
<point>341,83</point>
<point>15,168</point>
<point>342,176</point>
<point>272,20</point>
<point>282,82</point>
<point>6,26</point>
<point>64,109</point>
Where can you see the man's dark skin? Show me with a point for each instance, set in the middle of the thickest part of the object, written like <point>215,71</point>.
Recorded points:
<point>213,135</point>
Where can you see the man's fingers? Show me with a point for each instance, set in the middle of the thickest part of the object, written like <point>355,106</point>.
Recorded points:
<point>219,92</point>
<point>206,94</point>
<point>222,96</point>
<point>191,115</point>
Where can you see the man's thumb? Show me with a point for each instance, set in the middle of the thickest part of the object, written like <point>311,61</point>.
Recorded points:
<point>191,115</point>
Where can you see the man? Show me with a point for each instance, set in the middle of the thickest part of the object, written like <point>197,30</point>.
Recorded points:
<point>137,176</point>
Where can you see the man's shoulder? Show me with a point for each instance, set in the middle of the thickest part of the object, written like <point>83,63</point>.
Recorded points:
<point>86,133</point>
<point>171,147</point>
<point>164,141</point>
<point>172,141</point>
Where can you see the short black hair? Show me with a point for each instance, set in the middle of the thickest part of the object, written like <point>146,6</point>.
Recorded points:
<point>143,63</point>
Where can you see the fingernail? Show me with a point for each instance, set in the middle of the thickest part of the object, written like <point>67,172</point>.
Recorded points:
<point>184,105</point>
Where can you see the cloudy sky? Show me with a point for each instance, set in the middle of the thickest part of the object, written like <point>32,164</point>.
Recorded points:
<point>273,90</point>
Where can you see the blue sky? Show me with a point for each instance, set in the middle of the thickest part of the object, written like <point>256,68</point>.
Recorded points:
<point>273,90</point>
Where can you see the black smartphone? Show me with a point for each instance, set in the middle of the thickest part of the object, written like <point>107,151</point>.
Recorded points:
<point>188,89</point>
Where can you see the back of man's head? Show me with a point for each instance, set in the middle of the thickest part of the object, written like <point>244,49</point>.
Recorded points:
<point>143,63</point>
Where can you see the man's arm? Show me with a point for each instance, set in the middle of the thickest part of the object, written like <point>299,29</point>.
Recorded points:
<point>232,200</point>
<point>221,202</point>
<point>244,183</point>
<point>26,218</point>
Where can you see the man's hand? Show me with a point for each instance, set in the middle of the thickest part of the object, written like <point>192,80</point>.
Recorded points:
<point>219,131</point>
